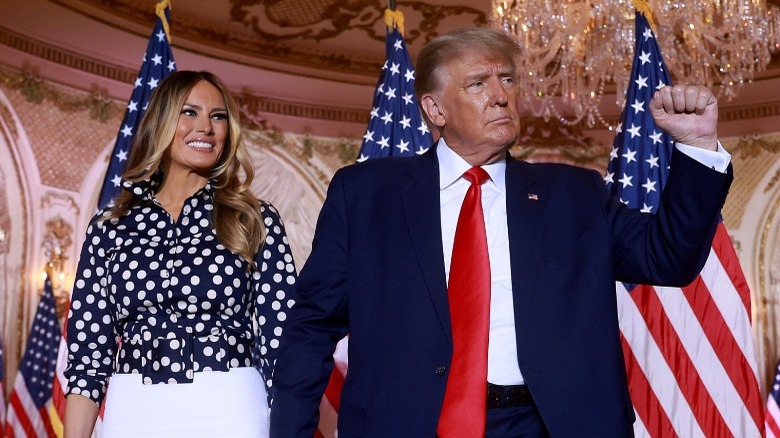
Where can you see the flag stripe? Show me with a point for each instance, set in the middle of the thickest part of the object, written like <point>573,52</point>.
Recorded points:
<point>668,339</point>
<point>20,405</point>
<point>646,403</point>
<point>652,364</point>
<point>772,414</point>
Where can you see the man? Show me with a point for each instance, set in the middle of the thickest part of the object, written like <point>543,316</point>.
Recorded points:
<point>387,250</point>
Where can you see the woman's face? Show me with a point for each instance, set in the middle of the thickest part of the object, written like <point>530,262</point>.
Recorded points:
<point>200,132</point>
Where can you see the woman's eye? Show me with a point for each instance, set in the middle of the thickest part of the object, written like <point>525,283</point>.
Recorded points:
<point>219,116</point>
<point>188,112</point>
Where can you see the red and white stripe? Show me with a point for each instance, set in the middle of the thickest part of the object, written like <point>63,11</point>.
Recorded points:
<point>24,419</point>
<point>329,407</point>
<point>690,353</point>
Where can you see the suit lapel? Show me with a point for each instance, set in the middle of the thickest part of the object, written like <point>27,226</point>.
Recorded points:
<point>422,210</point>
<point>526,199</point>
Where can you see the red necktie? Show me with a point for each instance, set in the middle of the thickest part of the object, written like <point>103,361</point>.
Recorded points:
<point>464,409</point>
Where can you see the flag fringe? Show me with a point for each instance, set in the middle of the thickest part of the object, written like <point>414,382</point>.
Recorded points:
<point>394,20</point>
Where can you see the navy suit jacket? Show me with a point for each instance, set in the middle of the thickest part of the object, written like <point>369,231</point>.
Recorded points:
<point>376,271</point>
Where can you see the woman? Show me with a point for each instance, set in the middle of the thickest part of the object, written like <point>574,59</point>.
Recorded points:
<point>177,280</point>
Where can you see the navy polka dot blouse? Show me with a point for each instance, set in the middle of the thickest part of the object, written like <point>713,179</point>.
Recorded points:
<point>165,299</point>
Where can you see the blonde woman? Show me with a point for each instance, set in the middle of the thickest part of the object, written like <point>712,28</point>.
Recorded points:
<point>178,279</point>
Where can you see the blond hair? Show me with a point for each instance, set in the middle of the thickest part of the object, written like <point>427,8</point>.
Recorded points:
<point>236,216</point>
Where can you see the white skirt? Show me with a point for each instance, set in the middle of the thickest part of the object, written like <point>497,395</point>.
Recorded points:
<point>216,404</point>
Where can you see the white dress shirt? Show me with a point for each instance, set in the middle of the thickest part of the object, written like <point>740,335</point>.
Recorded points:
<point>503,368</point>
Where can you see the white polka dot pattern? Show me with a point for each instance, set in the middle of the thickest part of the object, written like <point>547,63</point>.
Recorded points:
<point>144,276</point>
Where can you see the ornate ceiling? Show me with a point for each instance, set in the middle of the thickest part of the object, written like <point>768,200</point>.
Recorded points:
<point>336,39</point>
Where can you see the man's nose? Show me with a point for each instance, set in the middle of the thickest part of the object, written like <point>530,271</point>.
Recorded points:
<point>498,94</point>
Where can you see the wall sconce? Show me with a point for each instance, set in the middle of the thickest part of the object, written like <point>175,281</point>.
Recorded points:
<point>56,243</point>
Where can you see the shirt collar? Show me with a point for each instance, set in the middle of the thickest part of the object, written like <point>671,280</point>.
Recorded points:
<point>146,188</point>
<point>452,167</point>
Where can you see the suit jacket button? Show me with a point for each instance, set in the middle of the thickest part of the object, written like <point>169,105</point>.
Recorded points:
<point>440,371</point>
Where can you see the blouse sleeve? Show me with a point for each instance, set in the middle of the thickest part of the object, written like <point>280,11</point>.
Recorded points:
<point>91,331</point>
<point>274,288</point>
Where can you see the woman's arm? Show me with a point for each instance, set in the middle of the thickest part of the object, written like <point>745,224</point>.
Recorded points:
<point>80,416</point>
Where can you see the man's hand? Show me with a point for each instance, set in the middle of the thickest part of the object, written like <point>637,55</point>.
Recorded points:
<point>689,113</point>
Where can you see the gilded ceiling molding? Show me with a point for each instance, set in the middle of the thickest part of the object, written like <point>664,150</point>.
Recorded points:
<point>36,90</point>
<point>324,19</point>
<point>272,24</point>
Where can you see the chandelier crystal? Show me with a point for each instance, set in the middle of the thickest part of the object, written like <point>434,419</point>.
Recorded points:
<point>572,51</point>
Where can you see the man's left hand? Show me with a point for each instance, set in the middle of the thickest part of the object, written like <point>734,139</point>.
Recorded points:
<point>689,113</point>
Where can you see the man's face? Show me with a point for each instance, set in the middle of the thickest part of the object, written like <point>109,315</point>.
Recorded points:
<point>476,106</point>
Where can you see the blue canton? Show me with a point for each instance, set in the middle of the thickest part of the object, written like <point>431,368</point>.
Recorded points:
<point>639,161</point>
<point>396,127</point>
<point>40,355</point>
<point>157,64</point>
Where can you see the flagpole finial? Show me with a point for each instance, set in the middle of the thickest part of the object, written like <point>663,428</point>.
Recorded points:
<point>159,10</point>
<point>643,7</point>
<point>394,19</point>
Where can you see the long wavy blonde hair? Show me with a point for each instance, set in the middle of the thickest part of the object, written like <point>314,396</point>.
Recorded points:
<point>236,215</point>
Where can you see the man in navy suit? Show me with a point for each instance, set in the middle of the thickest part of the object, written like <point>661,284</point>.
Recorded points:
<point>557,242</point>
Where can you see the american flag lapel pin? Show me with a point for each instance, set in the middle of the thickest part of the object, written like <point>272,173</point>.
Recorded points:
<point>533,197</point>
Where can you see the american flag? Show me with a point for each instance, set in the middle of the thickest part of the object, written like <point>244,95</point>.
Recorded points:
<point>396,128</point>
<point>690,352</point>
<point>30,405</point>
<point>157,64</point>
<point>773,407</point>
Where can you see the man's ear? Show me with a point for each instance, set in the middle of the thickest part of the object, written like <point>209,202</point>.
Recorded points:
<point>433,110</point>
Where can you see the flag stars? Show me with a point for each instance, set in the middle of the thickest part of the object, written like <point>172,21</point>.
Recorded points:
<point>138,82</point>
<point>634,130</point>
<point>132,106</point>
<point>374,112</point>
<point>647,33</point>
<point>403,146</point>
<point>116,180</point>
<point>649,185</point>
<point>388,117</point>
<point>423,128</point>
<point>407,98</point>
<point>660,84</point>
<point>652,161</point>
<point>362,158</point>
<point>368,136</point>
<point>644,57</point>
<point>127,131</point>
<point>422,150</point>
<point>609,177</point>
<point>384,142</point>
<point>656,137</point>
<point>171,65</point>
<point>646,208</point>
<point>394,69</point>
<point>613,153</point>
<point>629,156</point>
<point>641,81</point>
<point>638,106</point>
<point>409,75</point>
<point>157,60</point>
<point>626,181</point>
<point>406,122</point>
<point>161,36</point>
<point>390,93</point>
<point>398,44</point>
<point>153,83</point>
<point>122,155</point>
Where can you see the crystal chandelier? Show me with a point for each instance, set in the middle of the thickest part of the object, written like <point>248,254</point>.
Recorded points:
<point>571,51</point>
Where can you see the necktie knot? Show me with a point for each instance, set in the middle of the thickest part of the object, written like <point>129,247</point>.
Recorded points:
<point>476,175</point>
